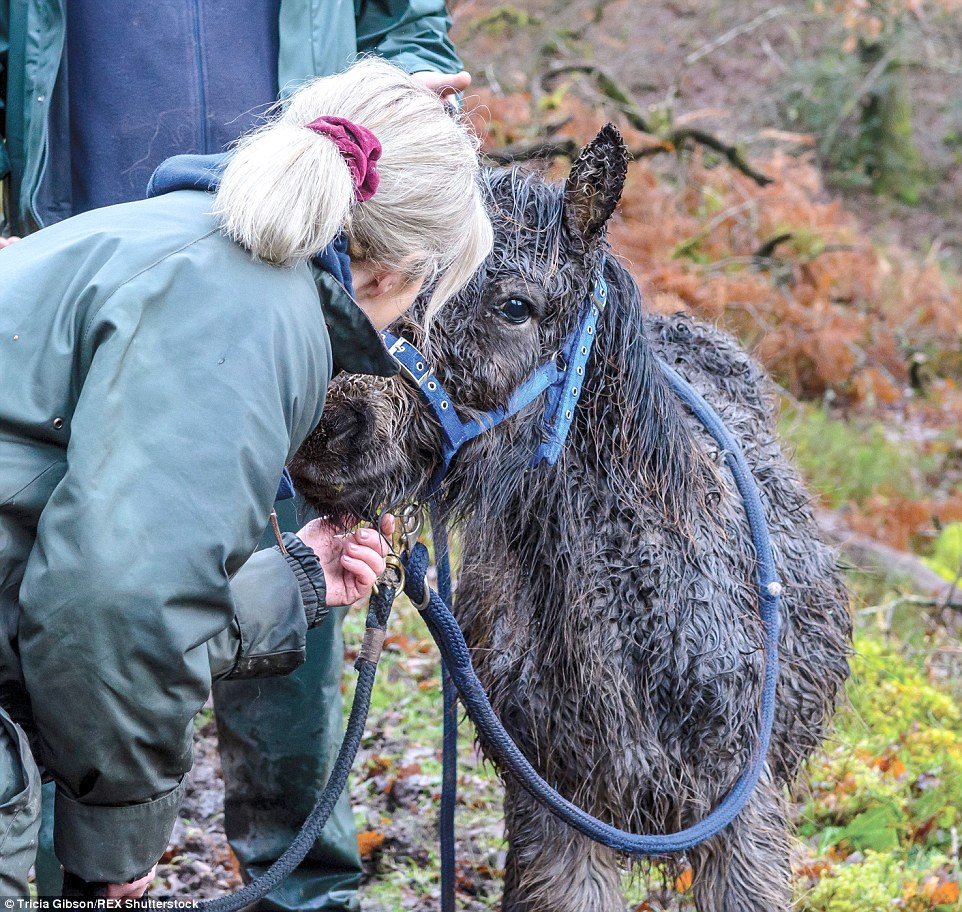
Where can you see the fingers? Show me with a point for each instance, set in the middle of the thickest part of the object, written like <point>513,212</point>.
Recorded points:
<point>369,538</point>
<point>133,890</point>
<point>367,555</point>
<point>444,84</point>
<point>7,241</point>
<point>363,572</point>
<point>387,525</point>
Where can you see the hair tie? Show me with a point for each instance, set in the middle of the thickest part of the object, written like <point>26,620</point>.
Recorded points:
<point>359,148</point>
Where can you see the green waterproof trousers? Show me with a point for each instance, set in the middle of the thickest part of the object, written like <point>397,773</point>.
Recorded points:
<point>278,739</point>
<point>19,808</point>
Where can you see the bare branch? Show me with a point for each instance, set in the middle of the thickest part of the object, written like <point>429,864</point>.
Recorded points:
<point>867,554</point>
<point>921,600</point>
<point>519,152</point>
<point>733,33</point>
<point>732,153</point>
<point>768,248</point>
<point>562,148</point>
<point>608,87</point>
<point>953,588</point>
<point>612,90</point>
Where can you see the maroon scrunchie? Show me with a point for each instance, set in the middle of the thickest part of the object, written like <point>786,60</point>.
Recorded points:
<point>358,146</point>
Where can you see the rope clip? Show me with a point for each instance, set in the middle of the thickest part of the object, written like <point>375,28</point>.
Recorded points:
<point>412,523</point>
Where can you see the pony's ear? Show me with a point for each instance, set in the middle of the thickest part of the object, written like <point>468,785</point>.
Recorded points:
<point>595,183</point>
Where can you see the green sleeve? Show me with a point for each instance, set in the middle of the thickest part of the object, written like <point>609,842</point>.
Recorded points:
<point>186,415</point>
<point>277,598</point>
<point>412,35</point>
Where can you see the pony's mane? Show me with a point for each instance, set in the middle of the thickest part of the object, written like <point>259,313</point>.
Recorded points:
<point>634,416</point>
<point>629,429</point>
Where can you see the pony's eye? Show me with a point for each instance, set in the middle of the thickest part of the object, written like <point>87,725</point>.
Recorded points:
<point>515,310</point>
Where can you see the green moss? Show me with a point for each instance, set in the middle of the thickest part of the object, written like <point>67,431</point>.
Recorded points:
<point>844,462</point>
<point>946,559</point>
<point>501,21</point>
<point>884,798</point>
<point>873,884</point>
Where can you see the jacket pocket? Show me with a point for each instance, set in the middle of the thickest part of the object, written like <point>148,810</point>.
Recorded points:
<point>46,473</point>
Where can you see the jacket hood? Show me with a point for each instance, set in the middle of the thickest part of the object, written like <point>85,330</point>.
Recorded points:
<point>188,172</point>
<point>356,346</point>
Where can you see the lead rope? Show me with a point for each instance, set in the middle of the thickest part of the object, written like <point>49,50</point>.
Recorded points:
<point>379,611</point>
<point>449,742</point>
<point>457,659</point>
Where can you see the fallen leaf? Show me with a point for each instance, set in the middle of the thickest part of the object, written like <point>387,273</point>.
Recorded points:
<point>368,841</point>
<point>946,893</point>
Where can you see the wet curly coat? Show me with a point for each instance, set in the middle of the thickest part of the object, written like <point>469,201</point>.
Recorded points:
<point>609,600</point>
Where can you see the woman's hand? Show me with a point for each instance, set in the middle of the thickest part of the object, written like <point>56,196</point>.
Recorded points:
<point>7,241</point>
<point>446,85</point>
<point>133,890</point>
<point>351,561</point>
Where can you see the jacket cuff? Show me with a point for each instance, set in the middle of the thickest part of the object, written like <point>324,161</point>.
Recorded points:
<point>113,843</point>
<point>310,578</point>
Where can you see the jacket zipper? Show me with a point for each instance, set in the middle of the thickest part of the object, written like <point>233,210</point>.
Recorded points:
<point>47,102</point>
<point>201,95</point>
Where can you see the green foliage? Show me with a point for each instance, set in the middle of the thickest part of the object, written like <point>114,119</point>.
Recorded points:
<point>858,107</point>
<point>876,883</point>
<point>885,799</point>
<point>846,463</point>
<point>946,559</point>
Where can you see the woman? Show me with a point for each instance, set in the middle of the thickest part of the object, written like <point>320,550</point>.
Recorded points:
<point>160,362</point>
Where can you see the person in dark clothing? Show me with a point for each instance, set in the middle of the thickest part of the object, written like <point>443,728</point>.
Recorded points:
<point>99,93</point>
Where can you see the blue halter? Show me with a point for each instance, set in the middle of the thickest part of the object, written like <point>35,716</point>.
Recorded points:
<point>562,378</point>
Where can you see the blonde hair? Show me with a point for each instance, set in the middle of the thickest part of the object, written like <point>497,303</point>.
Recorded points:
<point>287,192</point>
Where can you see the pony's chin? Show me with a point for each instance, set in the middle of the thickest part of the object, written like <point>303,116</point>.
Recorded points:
<point>336,502</point>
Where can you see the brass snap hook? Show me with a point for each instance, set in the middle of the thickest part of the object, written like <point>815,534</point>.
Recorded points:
<point>407,531</point>
<point>393,575</point>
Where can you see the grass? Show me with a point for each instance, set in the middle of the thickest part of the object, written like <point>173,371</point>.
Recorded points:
<point>847,463</point>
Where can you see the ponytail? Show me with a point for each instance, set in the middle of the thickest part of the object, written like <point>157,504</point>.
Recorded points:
<point>285,194</point>
<point>288,191</point>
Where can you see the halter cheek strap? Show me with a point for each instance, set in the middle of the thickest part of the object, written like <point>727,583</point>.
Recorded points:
<point>562,378</point>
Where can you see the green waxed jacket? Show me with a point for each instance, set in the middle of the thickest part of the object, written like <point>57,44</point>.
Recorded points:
<point>155,380</point>
<point>317,38</point>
